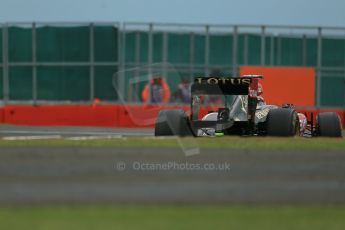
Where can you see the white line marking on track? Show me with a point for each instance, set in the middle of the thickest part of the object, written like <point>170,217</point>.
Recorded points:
<point>15,138</point>
<point>84,138</point>
<point>160,138</point>
<point>93,133</point>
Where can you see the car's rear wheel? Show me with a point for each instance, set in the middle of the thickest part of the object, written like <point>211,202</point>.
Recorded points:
<point>328,124</point>
<point>172,123</point>
<point>282,122</point>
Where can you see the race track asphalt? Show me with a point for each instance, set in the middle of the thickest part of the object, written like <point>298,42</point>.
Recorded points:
<point>21,131</point>
<point>36,175</point>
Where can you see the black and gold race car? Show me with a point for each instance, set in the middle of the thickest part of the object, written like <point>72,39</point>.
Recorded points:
<point>240,110</point>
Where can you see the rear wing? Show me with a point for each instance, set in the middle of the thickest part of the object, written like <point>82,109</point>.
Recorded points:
<point>223,85</point>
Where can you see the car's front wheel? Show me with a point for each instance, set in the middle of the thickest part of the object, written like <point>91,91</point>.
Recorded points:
<point>328,124</point>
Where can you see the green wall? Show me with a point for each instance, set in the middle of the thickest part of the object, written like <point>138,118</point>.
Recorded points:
<point>61,45</point>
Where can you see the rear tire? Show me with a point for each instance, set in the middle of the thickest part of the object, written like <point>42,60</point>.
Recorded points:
<point>328,125</point>
<point>282,122</point>
<point>172,123</point>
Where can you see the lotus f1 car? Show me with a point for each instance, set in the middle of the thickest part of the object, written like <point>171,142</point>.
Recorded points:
<point>242,112</point>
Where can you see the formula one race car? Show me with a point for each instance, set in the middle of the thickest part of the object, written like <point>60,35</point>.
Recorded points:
<point>241,110</point>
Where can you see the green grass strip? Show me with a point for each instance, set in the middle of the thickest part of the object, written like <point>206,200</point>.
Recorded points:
<point>168,217</point>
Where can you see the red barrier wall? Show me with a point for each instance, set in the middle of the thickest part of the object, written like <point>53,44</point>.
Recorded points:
<point>131,116</point>
<point>59,115</point>
<point>1,115</point>
<point>84,115</point>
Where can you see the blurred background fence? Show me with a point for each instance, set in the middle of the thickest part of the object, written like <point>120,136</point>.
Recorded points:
<point>53,63</point>
<point>75,62</point>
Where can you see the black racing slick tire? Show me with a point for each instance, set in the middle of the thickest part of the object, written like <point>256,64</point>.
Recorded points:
<point>328,124</point>
<point>282,122</point>
<point>172,123</point>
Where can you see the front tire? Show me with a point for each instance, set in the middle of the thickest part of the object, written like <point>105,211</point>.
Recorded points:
<point>172,123</point>
<point>328,124</point>
<point>282,122</point>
